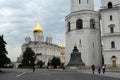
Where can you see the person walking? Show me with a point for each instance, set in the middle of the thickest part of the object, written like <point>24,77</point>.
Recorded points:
<point>99,69</point>
<point>103,69</point>
<point>93,68</point>
<point>33,67</point>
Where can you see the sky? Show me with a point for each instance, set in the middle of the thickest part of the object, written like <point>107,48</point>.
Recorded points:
<point>18,18</point>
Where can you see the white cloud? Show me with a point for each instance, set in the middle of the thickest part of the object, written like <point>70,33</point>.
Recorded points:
<point>97,4</point>
<point>5,12</point>
<point>14,51</point>
<point>18,18</point>
<point>59,38</point>
<point>7,27</point>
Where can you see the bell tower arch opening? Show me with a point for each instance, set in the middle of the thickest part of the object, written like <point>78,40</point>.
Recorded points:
<point>110,5</point>
<point>79,24</point>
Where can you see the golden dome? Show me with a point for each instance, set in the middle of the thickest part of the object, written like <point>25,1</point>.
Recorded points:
<point>38,29</point>
<point>62,46</point>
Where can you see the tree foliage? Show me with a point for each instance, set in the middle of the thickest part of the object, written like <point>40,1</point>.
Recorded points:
<point>28,58</point>
<point>3,52</point>
<point>55,62</point>
<point>40,64</point>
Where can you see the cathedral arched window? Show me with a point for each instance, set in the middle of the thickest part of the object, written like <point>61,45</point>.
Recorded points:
<point>112,44</point>
<point>92,23</point>
<point>110,5</point>
<point>79,24</point>
<point>68,26</point>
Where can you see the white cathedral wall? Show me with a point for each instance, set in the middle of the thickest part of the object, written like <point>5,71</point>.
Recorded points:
<point>108,37</point>
<point>47,51</point>
<point>105,16</point>
<point>108,58</point>
<point>107,43</point>
<point>104,3</point>
<point>108,52</point>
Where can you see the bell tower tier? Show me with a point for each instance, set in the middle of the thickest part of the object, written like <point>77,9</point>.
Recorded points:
<point>77,5</point>
<point>83,29</point>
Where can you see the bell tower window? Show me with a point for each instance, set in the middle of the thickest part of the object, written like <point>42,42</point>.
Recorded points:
<point>112,44</point>
<point>110,5</point>
<point>79,41</point>
<point>79,24</point>
<point>112,29</point>
<point>111,26</point>
<point>68,26</point>
<point>92,23</point>
<point>111,18</point>
<point>79,1</point>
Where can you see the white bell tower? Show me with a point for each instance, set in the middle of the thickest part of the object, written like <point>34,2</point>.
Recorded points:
<point>82,29</point>
<point>77,5</point>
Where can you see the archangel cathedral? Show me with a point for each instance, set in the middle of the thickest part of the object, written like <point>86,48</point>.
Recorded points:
<point>45,50</point>
<point>96,33</point>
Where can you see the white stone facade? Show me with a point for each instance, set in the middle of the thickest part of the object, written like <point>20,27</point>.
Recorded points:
<point>43,50</point>
<point>104,3</point>
<point>110,17</point>
<point>77,5</point>
<point>87,38</point>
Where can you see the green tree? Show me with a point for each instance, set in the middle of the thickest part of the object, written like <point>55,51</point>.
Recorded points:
<point>28,58</point>
<point>55,62</point>
<point>3,52</point>
<point>40,64</point>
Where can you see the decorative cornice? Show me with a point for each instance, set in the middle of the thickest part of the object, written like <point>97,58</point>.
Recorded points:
<point>82,12</point>
<point>81,30</point>
<point>111,34</point>
<point>111,50</point>
<point>109,9</point>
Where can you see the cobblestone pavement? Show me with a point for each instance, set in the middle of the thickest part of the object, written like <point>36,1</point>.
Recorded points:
<point>44,74</point>
<point>107,73</point>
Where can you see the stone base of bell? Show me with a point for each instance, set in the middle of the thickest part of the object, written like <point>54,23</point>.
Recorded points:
<point>75,67</point>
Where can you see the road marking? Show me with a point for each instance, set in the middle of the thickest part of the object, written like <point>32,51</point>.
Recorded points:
<point>35,75</point>
<point>20,74</point>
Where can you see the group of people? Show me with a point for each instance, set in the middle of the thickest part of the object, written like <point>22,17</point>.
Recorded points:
<point>99,68</point>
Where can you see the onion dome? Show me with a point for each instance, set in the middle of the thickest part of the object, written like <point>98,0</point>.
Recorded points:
<point>62,46</point>
<point>38,29</point>
<point>27,39</point>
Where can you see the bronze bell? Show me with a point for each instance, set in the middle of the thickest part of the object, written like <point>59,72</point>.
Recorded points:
<point>75,59</point>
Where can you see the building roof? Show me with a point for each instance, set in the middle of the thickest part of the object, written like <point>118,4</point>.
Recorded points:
<point>40,43</point>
